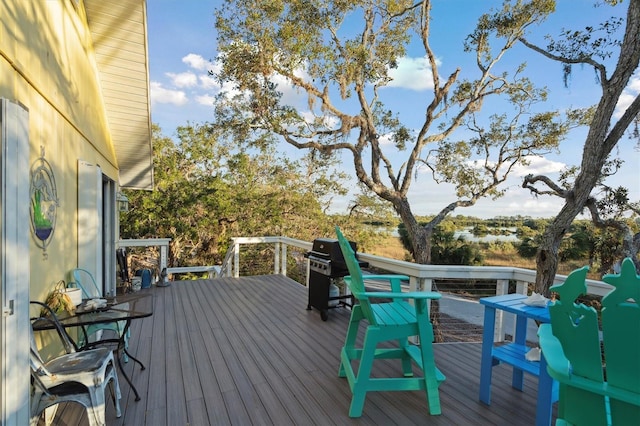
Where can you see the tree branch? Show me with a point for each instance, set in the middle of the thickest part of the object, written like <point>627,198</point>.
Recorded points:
<point>583,60</point>
<point>554,189</point>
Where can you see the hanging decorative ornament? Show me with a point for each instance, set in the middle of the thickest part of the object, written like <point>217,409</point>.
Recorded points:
<point>44,202</point>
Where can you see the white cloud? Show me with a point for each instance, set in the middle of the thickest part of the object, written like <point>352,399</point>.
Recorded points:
<point>329,121</point>
<point>634,84</point>
<point>538,165</point>
<point>411,73</point>
<point>623,103</point>
<point>386,139</point>
<point>291,95</point>
<point>207,82</point>
<point>183,79</point>
<point>160,95</point>
<point>630,93</point>
<point>207,100</point>
<point>307,116</point>
<point>428,198</point>
<point>529,206</point>
<point>196,61</point>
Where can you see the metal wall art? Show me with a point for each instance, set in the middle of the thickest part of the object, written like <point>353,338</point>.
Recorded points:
<point>44,202</point>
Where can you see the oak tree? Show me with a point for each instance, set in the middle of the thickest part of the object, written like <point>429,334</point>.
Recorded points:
<point>341,55</point>
<point>207,191</point>
<point>591,47</point>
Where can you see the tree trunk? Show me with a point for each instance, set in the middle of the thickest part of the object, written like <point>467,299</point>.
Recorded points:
<point>547,257</point>
<point>631,246</point>
<point>602,137</point>
<point>419,236</point>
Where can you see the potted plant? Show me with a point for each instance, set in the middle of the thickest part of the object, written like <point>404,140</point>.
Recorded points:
<point>63,298</point>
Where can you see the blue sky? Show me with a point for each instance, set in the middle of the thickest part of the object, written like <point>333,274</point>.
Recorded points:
<point>182,44</point>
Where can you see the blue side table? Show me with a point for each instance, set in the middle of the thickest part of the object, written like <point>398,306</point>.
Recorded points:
<point>514,353</point>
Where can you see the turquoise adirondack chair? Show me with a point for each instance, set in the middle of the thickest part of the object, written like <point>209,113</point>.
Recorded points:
<point>397,320</point>
<point>593,390</point>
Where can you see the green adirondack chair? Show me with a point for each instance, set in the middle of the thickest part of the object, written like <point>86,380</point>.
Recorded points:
<point>593,390</point>
<point>397,320</point>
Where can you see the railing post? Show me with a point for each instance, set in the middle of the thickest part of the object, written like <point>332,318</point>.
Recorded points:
<point>276,261</point>
<point>414,284</point>
<point>163,256</point>
<point>163,278</point>
<point>236,259</point>
<point>227,267</point>
<point>420,284</point>
<point>522,287</point>
<point>502,287</point>
<point>426,284</point>
<point>283,260</point>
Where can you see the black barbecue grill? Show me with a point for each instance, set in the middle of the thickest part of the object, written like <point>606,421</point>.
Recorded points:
<point>326,263</point>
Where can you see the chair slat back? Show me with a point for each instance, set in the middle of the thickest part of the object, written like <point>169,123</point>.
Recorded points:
<point>355,281</point>
<point>621,338</point>
<point>51,317</point>
<point>576,326</point>
<point>35,360</point>
<point>85,281</point>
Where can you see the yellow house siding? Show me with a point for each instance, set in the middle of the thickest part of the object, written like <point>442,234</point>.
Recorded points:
<point>90,61</point>
<point>47,65</point>
<point>50,44</point>
<point>120,40</point>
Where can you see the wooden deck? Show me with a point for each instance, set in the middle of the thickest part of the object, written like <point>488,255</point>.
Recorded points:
<point>246,351</point>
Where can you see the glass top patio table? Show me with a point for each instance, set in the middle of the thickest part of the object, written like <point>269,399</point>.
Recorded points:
<point>123,310</point>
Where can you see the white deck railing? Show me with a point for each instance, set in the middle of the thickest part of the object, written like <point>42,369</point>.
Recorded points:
<point>421,277</point>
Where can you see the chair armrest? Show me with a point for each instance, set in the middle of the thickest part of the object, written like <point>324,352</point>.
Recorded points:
<point>394,280</point>
<point>558,365</point>
<point>386,277</point>
<point>398,295</point>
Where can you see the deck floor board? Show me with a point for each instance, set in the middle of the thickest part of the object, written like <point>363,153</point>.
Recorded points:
<point>247,351</point>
